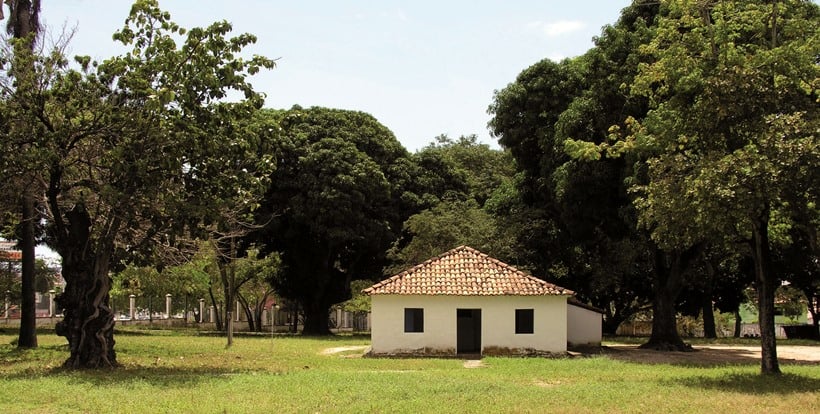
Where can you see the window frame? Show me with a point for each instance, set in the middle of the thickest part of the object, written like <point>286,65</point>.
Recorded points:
<point>525,321</point>
<point>413,320</point>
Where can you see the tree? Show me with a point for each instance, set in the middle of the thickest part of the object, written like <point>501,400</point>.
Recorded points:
<point>337,204</point>
<point>732,130</point>
<point>24,26</point>
<point>472,173</point>
<point>579,210</point>
<point>133,151</point>
<point>254,290</point>
<point>449,224</point>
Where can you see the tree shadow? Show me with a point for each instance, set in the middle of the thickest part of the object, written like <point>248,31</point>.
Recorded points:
<point>754,383</point>
<point>702,357</point>
<point>154,376</point>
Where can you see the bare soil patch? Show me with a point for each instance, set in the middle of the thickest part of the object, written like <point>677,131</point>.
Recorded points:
<point>340,349</point>
<point>474,363</point>
<point>712,355</point>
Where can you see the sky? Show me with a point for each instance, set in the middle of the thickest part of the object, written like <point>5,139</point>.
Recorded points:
<point>422,68</point>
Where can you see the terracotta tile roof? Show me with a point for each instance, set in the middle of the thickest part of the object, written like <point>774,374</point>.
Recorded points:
<point>465,271</point>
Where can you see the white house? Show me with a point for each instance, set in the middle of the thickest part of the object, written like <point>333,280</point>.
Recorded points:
<point>465,302</point>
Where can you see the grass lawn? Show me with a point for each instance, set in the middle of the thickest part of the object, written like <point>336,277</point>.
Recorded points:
<point>167,371</point>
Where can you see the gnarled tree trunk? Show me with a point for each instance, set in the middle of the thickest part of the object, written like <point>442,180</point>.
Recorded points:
<point>88,321</point>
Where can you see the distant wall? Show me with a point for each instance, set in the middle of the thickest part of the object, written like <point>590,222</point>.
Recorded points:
<point>583,326</point>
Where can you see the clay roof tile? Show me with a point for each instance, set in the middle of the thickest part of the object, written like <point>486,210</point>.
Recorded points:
<point>465,271</point>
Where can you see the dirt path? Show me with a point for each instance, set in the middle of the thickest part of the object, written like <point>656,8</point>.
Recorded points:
<point>706,355</point>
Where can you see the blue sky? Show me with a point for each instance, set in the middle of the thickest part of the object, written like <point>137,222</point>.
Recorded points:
<point>422,68</point>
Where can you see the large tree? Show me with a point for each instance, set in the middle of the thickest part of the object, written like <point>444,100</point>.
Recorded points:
<point>133,150</point>
<point>581,224</point>
<point>460,179</point>
<point>733,128</point>
<point>337,202</point>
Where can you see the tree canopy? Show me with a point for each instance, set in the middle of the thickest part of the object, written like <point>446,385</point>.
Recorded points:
<point>336,201</point>
<point>129,152</point>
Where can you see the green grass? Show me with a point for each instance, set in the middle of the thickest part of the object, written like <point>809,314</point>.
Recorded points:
<point>167,371</point>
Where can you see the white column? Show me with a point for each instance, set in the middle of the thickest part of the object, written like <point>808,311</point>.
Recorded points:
<point>8,298</point>
<point>201,310</point>
<point>132,306</point>
<point>238,310</point>
<point>168,306</point>
<point>51,303</point>
<point>211,314</point>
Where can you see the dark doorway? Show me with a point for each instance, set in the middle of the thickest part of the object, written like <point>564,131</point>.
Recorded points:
<point>468,337</point>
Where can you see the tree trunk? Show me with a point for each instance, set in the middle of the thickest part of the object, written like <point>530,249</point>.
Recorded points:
<point>610,325</point>
<point>707,307</point>
<point>614,318</point>
<point>23,23</point>
<point>254,324</point>
<point>28,311</point>
<point>709,328</point>
<point>88,321</point>
<point>765,293</point>
<point>217,315</point>
<point>667,283</point>
<point>738,323</point>
<point>317,319</point>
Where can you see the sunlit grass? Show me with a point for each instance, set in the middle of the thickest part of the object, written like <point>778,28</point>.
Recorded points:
<point>167,371</point>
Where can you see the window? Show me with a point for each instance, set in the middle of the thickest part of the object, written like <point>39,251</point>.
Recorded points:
<point>413,320</point>
<point>524,321</point>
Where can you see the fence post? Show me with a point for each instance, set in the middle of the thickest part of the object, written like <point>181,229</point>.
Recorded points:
<point>168,306</point>
<point>201,310</point>
<point>51,303</point>
<point>8,298</point>
<point>132,306</point>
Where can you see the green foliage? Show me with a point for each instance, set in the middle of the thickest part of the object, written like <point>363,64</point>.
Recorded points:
<point>577,223</point>
<point>44,278</point>
<point>359,303</point>
<point>732,127</point>
<point>480,168</point>
<point>447,225</point>
<point>337,200</point>
<point>133,152</point>
<point>465,183</point>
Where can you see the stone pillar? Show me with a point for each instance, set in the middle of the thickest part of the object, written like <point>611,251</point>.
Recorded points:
<point>211,314</point>
<point>238,310</point>
<point>168,306</point>
<point>132,307</point>
<point>8,299</point>
<point>51,303</point>
<point>201,310</point>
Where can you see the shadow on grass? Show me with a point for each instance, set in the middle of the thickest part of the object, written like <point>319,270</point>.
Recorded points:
<point>154,376</point>
<point>702,357</point>
<point>755,383</point>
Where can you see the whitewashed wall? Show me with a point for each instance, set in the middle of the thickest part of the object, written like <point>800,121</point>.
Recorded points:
<point>583,326</point>
<point>497,323</point>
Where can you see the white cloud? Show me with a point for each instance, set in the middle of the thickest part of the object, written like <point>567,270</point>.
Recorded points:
<point>555,29</point>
